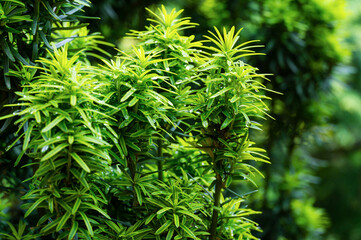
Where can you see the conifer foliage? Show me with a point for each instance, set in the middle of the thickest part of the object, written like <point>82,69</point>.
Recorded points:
<point>145,145</point>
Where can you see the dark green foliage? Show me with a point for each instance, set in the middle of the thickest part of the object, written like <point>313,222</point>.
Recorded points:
<point>27,26</point>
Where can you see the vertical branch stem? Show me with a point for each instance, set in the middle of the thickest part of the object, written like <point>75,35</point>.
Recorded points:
<point>217,198</point>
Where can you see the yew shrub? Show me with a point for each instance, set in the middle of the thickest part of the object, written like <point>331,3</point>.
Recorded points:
<point>145,145</point>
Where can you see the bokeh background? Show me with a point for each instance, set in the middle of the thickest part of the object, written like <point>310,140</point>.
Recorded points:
<point>312,189</point>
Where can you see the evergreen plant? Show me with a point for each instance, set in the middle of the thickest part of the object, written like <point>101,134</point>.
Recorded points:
<point>145,145</point>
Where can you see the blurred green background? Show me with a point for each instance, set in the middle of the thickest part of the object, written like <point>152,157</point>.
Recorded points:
<point>312,189</point>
